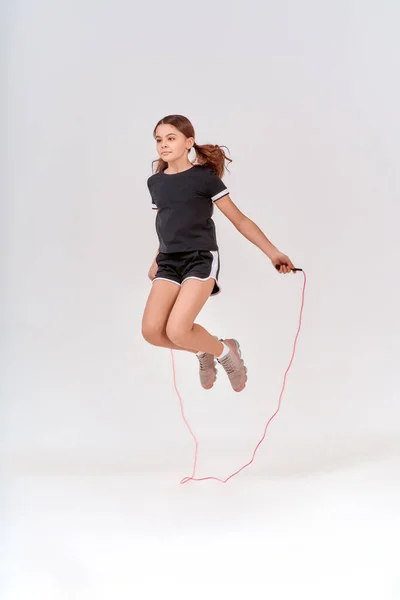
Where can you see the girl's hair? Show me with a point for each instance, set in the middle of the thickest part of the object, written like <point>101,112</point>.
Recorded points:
<point>206,154</point>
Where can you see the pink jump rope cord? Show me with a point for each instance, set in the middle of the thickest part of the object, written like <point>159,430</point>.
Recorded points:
<point>192,477</point>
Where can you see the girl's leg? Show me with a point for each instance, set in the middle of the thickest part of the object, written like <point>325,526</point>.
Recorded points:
<point>159,304</point>
<point>181,329</point>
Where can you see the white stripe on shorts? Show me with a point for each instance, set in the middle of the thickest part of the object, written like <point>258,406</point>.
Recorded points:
<point>214,269</point>
<point>165,279</point>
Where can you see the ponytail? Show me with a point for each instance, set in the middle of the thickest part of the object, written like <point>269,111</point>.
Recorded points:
<point>213,157</point>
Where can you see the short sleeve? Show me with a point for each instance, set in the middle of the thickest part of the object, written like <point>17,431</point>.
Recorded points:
<point>153,202</point>
<point>216,188</point>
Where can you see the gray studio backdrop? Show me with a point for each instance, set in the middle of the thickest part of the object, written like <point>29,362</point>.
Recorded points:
<point>305,95</point>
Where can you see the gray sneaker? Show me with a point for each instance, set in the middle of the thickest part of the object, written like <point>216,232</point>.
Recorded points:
<point>234,366</point>
<point>208,372</point>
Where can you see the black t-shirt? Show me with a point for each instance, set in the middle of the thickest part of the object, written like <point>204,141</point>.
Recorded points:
<point>185,207</point>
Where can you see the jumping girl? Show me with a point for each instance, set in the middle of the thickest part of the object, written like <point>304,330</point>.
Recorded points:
<point>185,271</point>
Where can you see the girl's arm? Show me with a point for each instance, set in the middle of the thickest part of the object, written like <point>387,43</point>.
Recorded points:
<point>253,233</point>
<point>154,267</point>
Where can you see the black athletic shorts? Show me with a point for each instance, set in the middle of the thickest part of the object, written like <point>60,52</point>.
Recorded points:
<point>197,264</point>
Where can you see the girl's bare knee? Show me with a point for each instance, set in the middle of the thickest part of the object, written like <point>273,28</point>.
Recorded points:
<point>177,333</point>
<point>153,335</point>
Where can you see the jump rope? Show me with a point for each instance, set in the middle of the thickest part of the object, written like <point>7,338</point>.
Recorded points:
<point>192,477</point>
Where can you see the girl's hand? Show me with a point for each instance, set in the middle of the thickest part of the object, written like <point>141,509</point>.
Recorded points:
<point>284,262</point>
<point>152,271</point>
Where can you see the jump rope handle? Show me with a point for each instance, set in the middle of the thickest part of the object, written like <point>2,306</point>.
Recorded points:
<point>278,268</point>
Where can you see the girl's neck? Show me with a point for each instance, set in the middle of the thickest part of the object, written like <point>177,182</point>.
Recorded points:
<point>177,166</point>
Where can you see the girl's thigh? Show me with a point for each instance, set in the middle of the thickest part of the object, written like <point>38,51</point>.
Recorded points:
<point>191,298</point>
<point>160,302</point>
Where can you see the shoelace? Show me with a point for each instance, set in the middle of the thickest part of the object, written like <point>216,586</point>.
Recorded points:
<point>203,362</point>
<point>228,364</point>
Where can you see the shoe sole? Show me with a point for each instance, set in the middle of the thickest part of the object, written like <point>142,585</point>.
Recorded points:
<point>238,352</point>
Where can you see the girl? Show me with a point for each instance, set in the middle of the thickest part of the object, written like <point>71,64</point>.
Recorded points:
<point>186,268</point>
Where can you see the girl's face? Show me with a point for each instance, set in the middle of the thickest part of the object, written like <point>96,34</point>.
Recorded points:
<point>171,143</point>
